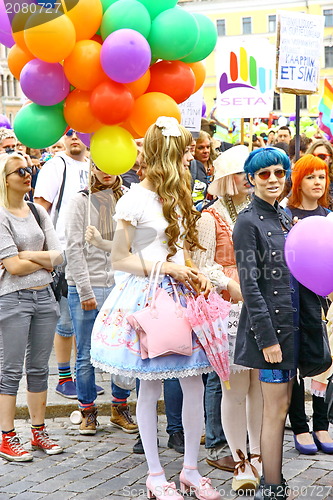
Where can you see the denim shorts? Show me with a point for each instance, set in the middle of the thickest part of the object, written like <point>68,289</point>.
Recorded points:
<point>65,327</point>
<point>276,376</point>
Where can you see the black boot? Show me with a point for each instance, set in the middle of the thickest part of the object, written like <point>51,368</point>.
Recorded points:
<point>272,491</point>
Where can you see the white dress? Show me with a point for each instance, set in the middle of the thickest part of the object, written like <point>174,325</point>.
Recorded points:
<point>115,345</point>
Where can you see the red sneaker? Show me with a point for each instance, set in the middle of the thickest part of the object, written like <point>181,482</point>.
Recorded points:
<point>12,450</point>
<point>40,440</point>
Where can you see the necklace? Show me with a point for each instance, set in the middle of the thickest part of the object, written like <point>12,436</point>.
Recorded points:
<point>233,211</point>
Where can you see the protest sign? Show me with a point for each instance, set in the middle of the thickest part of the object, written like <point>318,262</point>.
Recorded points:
<point>191,111</point>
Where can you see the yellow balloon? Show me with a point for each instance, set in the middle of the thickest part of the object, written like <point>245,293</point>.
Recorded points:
<point>113,150</point>
<point>49,36</point>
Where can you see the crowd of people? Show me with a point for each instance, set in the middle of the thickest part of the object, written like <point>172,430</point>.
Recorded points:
<point>212,214</point>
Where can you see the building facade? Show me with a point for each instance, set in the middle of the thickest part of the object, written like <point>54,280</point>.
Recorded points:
<point>259,19</point>
<point>11,94</point>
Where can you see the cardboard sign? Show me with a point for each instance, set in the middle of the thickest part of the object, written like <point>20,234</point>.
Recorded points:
<point>299,42</point>
<point>191,111</point>
<point>245,71</point>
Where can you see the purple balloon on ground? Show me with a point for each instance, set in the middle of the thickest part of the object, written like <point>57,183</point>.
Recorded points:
<point>308,252</point>
<point>4,122</point>
<point>44,83</point>
<point>85,138</point>
<point>6,37</point>
<point>125,55</point>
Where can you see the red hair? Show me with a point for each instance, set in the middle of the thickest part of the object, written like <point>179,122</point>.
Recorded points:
<point>306,165</point>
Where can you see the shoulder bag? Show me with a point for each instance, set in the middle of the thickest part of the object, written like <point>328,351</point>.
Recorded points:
<point>162,325</point>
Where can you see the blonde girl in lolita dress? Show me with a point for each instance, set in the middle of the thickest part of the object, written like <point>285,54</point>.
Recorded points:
<point>155,222</point>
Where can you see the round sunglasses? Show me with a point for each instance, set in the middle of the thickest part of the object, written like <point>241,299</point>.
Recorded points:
<point>23,171</point>
<point>322,156</point>
<point>265,174</point>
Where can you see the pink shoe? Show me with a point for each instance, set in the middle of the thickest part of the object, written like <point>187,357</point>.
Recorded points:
<point>166,491</point>
<point>205,491</point>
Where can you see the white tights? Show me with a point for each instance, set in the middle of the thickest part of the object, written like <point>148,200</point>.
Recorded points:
<point>193,421</point>
<point>242,412</point>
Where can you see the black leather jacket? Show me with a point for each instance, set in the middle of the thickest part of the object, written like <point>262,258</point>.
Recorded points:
<point>267,316</point>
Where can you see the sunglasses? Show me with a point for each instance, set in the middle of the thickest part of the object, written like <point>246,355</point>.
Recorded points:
<point>322,156</point>
<point>70,132</point>
<point>265,174</point>
<point>23,171</point>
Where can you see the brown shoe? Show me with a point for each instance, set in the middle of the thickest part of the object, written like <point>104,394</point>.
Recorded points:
<point>89,422</point>
<point>226,463</point>
<point>122,418</point>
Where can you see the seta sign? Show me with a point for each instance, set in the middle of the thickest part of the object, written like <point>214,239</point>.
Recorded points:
<point>244,77</point>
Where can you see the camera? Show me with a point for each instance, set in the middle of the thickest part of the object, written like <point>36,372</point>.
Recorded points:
<point>9,150</point>
<point>254,138</point>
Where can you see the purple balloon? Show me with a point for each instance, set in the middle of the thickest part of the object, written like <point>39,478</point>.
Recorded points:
<point>292,118</point>
<point>203,110</point>
<point>308,252</point>
<point>44,83</point>
<point>4,122</point>
<point>6,37</point>
<point>125,55</point>
<point>85,138</point>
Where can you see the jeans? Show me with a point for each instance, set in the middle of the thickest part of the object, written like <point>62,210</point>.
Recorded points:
<point>83,324</point>
<point>27,323</point>
<point>173,402</point>
<point>65,326</point>
<point>213,396</point>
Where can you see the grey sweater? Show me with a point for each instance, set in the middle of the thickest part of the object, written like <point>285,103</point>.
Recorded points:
<point>87,266</point>
<point>24,233</point>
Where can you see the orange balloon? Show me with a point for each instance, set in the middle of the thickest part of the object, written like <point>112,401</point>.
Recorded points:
<point>17,58</point>
<point>49,37</point>
<point>78,114</point>
<point>148,107</point>
<point>140,86</point>
<point>199,71</point>
<point>18,24</point>
<point>86,17</point>
<point>83,67</point>
<point>127,126</point>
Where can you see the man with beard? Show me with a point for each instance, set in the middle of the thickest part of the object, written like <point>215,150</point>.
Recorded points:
<point>60,179</point>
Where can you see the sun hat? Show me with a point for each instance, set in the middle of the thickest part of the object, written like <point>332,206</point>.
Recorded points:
<point>229,162</point>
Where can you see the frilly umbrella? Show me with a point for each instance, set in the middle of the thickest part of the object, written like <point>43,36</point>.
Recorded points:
<point>209,320</point>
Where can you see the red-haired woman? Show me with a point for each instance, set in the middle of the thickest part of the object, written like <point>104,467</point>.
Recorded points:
<point>309,196</point>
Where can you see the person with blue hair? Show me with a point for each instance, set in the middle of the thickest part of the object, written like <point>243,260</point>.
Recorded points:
<point>267,336</point>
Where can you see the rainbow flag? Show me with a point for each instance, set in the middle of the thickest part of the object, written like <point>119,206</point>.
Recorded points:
<point>326,106</point>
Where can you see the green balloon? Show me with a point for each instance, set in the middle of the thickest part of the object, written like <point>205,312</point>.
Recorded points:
<point>174,34</point>
<point>126,14</point>
<point>207,40</point>
<point>106,4</point>
<point>155,7</point>
<point>39,126</point>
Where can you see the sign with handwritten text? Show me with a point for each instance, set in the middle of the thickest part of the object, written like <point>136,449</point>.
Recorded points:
<point>191,111</point>
<point>300,43</point>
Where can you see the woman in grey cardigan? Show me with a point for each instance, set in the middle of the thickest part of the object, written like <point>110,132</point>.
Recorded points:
<point>29,249</point>
<point>90,280</point>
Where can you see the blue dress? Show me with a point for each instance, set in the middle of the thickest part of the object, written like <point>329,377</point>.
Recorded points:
<point>115,344</point>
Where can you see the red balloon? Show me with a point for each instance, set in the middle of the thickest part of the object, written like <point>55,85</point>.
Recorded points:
<point>174,78</point>
<point>111,102</point>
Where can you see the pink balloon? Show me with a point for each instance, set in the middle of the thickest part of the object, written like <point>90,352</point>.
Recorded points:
<point>44,83</point>
<point>85,138</point>
<point>308,253</point>
<point>6,37</point>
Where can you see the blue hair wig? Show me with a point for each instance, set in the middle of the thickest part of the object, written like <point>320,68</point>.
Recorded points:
<point>266,157</point>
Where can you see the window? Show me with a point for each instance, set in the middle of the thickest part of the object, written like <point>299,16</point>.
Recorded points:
<point>276,102</point>
<point>303,102</point>
<point>15,86</point>
<point>329,57</point>
<point>220,24</point>
<point>247,25</point>
<point>272,24</point>
<point>328,17</point>
<point>8,90</point>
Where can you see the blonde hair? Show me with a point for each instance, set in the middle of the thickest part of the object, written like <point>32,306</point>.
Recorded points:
<point>172,182</point>
<point>5,160</point>
<point>226,185</point>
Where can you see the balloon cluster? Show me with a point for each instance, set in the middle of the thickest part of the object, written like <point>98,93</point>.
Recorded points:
<point>106,68</point>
